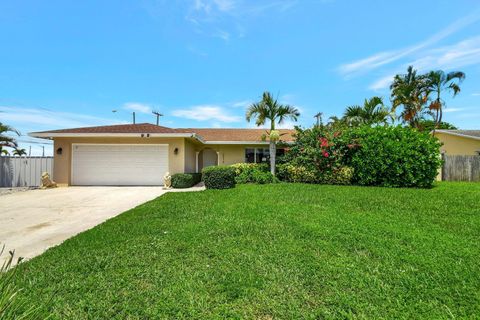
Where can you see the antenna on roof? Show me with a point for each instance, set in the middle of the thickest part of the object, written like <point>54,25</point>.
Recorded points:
<point>158,114</point>
<point>319,118</point>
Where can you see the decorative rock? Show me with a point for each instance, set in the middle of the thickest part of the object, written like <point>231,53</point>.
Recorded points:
<point>47,182</point>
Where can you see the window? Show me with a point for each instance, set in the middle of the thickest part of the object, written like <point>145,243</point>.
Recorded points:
<point>260,155</point>
<point>249,155</point>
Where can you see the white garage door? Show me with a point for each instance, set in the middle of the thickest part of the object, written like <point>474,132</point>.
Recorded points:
<point>119,164</point>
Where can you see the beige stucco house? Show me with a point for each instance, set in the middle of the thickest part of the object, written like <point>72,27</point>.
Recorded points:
<point>141,154</point>
<point>459,142</point>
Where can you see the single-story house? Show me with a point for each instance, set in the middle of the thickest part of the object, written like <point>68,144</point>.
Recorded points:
<point>141,154</point>
<point>459,142</point>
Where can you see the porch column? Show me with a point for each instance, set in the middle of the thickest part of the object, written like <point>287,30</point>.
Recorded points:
<point>218,158</point>
<point>196,161</point>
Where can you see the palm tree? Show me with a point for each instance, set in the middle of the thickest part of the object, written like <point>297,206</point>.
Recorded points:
<point>372,112</point>
<point>438,82</point>
<point>19,152</point>
<point>270,109</point>
<point>6,140</point>
<point>410,91</point>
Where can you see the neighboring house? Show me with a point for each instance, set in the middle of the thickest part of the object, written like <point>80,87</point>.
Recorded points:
<point>459,142</point>
<point>141,154</point>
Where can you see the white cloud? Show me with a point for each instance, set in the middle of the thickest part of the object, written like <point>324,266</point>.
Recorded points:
<point>37,119</point>
<point>138,107</point>
<point>476,94</point>
<point>206,112</point>
<point>227,19</point>
<point>242,104</point>
<point>451,110</point>
<point>224,35</point>
<point>382,83</point>
<point>458,55</point>
<point>42,117</point>
<point>387,57</point>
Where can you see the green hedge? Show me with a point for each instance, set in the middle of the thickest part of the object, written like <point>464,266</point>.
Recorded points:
<point>395,157</point>
<point>389,156</point>
<point>185,180</point>
<point>253,173</point>
<point>219,177</point>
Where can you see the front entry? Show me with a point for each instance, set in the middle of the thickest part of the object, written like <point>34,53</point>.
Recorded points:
<point>208,157</point>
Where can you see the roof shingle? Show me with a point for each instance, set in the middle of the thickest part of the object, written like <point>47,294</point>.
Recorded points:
<point>231,134</point>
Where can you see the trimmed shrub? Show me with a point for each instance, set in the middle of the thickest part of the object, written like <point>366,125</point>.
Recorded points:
<point>185,180</point>
<point>292,173</point>
<point>253,173</point>
<point>256,176</point>
<point>249,167</point>
<point>219,177</point>
<point>343,175</point>
<point>395,157</point>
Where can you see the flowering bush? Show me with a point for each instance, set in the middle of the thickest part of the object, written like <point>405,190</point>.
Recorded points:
<point>319,155</point>
<point>380,156</point>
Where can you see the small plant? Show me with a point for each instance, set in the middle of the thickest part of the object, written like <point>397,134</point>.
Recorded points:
<point>293,173</point>
<point>11,307</point>
<point>219,177</point>
<point>185,180</point>
<point>253,173</point>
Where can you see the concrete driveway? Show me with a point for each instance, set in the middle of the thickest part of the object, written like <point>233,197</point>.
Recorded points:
<point>33,221</point>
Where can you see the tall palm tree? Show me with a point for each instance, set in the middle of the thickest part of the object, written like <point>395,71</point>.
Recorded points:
<point>19,152</point>
<point>270,109</point>
<point>410,91</point>
<point>439,82</point>
<point>372,112</point>
<point>5,139</point>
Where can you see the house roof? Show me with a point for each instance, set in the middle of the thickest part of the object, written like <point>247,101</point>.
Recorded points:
<point>238,135</point>
<point>202,134</point>
<point>472,134</point>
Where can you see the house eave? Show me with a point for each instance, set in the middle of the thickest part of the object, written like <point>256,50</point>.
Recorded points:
<point>52,135</point>
<point>244,142</point>
<point>456,134</point>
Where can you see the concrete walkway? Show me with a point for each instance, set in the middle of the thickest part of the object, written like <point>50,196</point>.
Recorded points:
<point>35,220</point>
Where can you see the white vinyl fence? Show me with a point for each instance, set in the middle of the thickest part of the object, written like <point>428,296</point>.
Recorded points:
<point>24,171</point>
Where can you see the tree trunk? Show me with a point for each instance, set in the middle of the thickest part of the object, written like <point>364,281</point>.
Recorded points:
<point>273,152</point>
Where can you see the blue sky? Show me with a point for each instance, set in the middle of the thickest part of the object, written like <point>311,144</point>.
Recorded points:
<point>200,62</point>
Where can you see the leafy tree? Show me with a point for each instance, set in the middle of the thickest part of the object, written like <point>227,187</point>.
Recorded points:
<point>430,125</point>
<point>411,92</point>
<point>270,109</point>
<point>371,113</point>
<point>439,82</point>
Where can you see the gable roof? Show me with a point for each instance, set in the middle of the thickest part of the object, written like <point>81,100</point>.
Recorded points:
<point>205,135</point>
<point>472,134</point>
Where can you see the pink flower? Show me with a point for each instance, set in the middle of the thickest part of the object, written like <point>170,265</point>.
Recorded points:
<point>323,142</point>
<point>325,154</point>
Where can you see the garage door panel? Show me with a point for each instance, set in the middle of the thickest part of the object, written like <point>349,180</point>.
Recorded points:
<point>119,164</point>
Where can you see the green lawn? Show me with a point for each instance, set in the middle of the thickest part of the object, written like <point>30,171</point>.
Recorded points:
<point>285,251</point>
